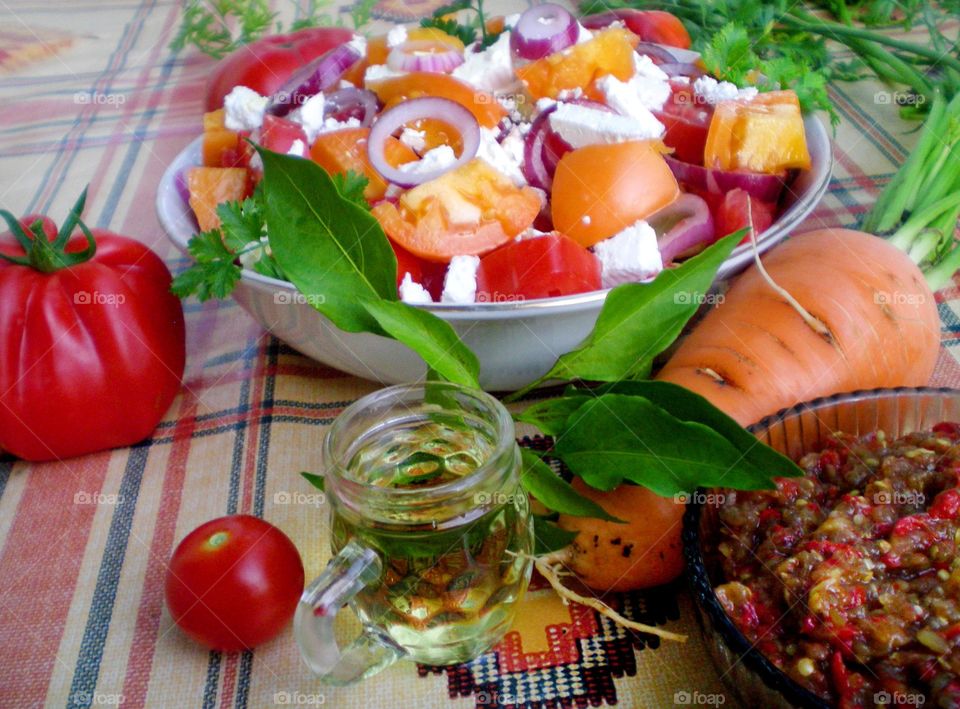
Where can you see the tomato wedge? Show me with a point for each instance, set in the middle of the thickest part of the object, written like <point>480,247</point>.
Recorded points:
<point>687,121</point>
<point>542,267</point>
<point>470,210</point>
<point>600,190</point>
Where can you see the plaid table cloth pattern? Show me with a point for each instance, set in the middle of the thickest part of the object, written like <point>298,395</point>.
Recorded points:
<point>90,93</point>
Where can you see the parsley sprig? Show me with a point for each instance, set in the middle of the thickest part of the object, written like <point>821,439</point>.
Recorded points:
<point>217,27</point>
<point>463,19</point>
<point>243,230</point>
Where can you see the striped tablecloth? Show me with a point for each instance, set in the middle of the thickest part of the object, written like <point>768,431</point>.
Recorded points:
<point>90,93</point>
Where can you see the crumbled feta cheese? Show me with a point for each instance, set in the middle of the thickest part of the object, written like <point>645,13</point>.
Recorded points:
<point>581,126</point>
<point>460,283</point>
<point>416,140</point>
<point>380,72</point>
<point>412,292</point>
<point>358,43</point>
<point>396,36</point>
<point>630,256</point>
<point>647,90</point>
<point>545,104</point>
<point>570,94</point>
<point>437,159</point>
<point>244,109</point>
<point>531,233</point>
<point>311,116</point>
<point>585,34</point>
<point>298,149</point>
<point>713,91</point>
<point>331,124</point>
<point>490,70</point>
<point>644,66</point>
<point>344,84</point>
<point>502,157</point>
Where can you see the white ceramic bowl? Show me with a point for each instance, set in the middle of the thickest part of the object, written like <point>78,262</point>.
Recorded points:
<point>516,342</point>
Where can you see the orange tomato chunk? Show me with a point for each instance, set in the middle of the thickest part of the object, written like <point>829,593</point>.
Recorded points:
<point>210,186</point>
<point>610,52</point>
<point>342,151</point>
<point>765,134</point>
<point>600,190</point>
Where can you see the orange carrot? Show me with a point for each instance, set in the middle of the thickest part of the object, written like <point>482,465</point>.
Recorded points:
<point>754,354</point>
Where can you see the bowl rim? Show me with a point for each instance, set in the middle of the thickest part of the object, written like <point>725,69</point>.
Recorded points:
<point>698,580</point>
<point>792,217</point>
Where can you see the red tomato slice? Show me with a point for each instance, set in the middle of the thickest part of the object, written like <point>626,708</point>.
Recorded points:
<point>735,210</point>
<point>279,134</point>
<point>687,120</point>
<point>543,267</point>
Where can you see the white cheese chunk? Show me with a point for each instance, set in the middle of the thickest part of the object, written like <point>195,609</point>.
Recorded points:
<point>297,149</point>
<point>585,34</point>
<point>311,116</point>
<point>647,90</point>
<point>414,139</point>
<point>244,109</point>
<point>491,69</point>
<point>713,91</point>
<point>581,126</point>
<point>358,43</point>
<point>396,36</point>
<point>460,283</point>
<point>437,159</point>
<point>412,292</point>
<point>630,256</point>
<point>505,157</point>
<point>380,72</point>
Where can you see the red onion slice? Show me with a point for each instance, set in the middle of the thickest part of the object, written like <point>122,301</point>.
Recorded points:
<point>658,53</point>
<point>440,109</point>
<point>423,56</point>
<point>672,69</point>
<point>683,225</point>
<point>542,30</point>
<point>762,186</point>
<point>317,76</point>
<point>350,103</point>
<point>534,166</point>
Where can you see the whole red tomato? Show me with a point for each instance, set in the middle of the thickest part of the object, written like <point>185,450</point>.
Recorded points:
<point>265,64</point>
<point>91,340</point>
<point>234,583</point>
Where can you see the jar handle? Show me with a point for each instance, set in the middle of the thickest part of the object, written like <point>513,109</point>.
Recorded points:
<point>349,572</point>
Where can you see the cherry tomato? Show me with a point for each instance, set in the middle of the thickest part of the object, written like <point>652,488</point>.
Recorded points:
<point>265,64</point>
<point>649,25</point>
<point>542,267</point>
<point>279,134</point>
<point>687,120</point>
<point>234,583</point>
<point>734,212</point>
<point>600,190</point>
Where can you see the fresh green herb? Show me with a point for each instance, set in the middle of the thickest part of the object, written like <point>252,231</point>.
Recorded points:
<point>548,537</point>
<point>615,437</point>
<point>466,31</point>
<point>214,275</point>
<point>336,254</point>
<point>556,493</point>
<point>922,201</point>
<point>318,481</point>
<point>433,339</point>
<point>640,320</point>
<point>351,185</point>
<point>550,416</point>
<point>217,27</point>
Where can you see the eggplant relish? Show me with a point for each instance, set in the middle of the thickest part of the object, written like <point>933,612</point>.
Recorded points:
<point>848,578</point>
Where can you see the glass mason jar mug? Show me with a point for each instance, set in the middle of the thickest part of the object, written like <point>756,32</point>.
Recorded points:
<point>431,531</point>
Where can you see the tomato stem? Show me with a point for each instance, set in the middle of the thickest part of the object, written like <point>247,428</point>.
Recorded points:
<point>43,254</point>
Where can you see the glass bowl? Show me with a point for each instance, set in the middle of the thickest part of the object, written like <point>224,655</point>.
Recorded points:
<point>749,675</point>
